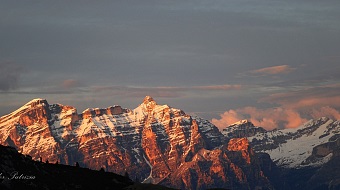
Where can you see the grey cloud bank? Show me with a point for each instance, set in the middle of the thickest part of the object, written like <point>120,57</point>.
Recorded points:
<point>220,52</point>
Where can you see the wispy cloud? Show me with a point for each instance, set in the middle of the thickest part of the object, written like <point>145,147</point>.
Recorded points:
<point>162,91</point>
<point>217,87</point>
<point>326,111</point>
<point>69,83</point>
<point>172,88</point>
<point>70,86</point>
<point>281,69</point>
<point>309,97</point>
<point>38,92</point>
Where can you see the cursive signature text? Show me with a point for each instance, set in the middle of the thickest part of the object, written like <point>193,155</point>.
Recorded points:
<point>16,176</point>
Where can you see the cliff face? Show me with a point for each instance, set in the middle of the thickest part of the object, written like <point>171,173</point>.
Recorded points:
<point>152,143</point>
<point>232,166</point>
<point>328,176</point>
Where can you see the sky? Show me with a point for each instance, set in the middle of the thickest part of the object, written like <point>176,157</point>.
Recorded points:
<point>273,62</point>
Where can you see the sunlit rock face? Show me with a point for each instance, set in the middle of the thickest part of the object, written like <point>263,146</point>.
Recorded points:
<point>152,143</point>
<point>232,166</point>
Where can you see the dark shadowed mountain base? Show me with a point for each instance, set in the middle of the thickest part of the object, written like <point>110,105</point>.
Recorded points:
<point>20,172</point>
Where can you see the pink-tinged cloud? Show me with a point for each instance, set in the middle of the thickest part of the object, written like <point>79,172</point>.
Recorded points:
<point>272,118</point>
<point>281,69</point>
<point>291,109</point>
<point>307,98</point>
<point>312,102</point>
<point>69,83</point>
<point>269,119</point>
<point>326,112</point>
<point>227,118</point>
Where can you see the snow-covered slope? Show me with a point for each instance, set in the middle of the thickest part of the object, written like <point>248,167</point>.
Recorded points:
<point>290,148</point>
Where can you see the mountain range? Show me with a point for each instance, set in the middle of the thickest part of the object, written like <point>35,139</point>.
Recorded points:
<point>152,143</point>
<point>163,145</point>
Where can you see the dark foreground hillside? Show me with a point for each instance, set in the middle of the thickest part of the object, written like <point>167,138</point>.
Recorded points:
<point>21,172</point>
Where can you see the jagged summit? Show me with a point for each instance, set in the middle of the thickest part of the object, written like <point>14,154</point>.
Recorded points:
<point>241,122</point>
<point>148,99</point>
<point>243,128</point>
<point>312,122</point>
<point>148,104</point>
<point>35,102</point>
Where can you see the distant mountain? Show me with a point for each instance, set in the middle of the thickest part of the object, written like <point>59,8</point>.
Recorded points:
<point>152,143</point>
<point>307,155</point>
<point>243,128</point>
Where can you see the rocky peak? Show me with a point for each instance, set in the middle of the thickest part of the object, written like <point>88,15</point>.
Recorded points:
<point>37,110</point>
<point>243,128</point>
<point>148,99</point>
<point>148,104</point>
<point>37,101</point>
<point>34,104</point>
<point>241,122</point>
<point>315,122</point>
<point>115,110</point>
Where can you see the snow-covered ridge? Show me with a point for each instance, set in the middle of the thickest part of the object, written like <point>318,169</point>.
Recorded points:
<point>241,122</point>
<point>290,147</point>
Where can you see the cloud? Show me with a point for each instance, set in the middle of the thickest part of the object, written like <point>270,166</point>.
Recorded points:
<point>161,91</point>
<point>9,75</point>
<point>69,83</point>
<point>71,86</point>
<point>291,109</point>
<point>281,69</point>
<point>217,87</point>
<point>36,91</point>
<point>307,98</point>
<point>326,111</point>
<point>269,118</point>
<point>133,91</point>
<point>227,118</point>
